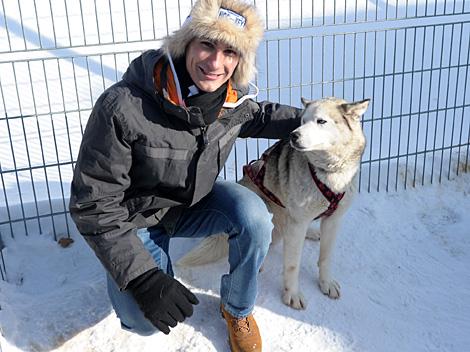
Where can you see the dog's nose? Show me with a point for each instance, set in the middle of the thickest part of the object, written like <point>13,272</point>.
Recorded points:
<point>294,136</point>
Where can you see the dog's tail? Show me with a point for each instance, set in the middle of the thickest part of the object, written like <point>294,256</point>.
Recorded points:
<point>209,250</point>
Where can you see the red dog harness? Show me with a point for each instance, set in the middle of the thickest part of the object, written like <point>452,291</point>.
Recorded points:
<point>333,198</point>
<point>258,178</point>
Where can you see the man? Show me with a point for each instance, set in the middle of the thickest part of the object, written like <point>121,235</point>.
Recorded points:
<point>148,165</point>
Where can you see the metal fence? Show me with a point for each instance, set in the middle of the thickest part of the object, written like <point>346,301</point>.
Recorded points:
<point>56,57</point>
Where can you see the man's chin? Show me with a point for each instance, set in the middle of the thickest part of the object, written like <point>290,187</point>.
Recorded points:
<point>209,87</point>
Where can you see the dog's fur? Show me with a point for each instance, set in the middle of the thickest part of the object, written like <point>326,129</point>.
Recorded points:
<point>331,139</point>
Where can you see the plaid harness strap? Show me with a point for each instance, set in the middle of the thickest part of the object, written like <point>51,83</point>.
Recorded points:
<point>258,178</point>
<point>333,198</point>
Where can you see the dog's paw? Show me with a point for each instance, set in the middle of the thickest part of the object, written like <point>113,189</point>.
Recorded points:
<point>294,300</point>
<point>330,288</point>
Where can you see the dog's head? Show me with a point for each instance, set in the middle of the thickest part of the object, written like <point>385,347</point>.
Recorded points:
<point>330,123</point>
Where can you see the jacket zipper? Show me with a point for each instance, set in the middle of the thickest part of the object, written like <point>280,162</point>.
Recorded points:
<point>205,140</point>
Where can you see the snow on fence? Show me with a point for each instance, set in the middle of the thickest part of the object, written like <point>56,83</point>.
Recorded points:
<point>411,57</point>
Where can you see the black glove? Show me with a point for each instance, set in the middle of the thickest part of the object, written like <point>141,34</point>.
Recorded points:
<point>164,300</point>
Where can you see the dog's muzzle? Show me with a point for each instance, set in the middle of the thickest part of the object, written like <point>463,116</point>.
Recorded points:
<point>294,140</point>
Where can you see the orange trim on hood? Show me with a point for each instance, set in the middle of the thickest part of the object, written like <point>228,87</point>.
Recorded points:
<point>232,95</point>
<point>170,85</point>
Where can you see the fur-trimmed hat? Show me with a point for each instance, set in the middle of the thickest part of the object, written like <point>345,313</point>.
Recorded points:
<point>233,22</point>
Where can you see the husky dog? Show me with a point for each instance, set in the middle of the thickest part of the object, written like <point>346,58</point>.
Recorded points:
<point>310,176</point>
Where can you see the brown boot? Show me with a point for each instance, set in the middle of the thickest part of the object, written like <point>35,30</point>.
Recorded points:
<point>243,333</point>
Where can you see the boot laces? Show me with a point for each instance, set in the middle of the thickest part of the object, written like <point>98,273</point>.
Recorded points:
<point>241,325</point>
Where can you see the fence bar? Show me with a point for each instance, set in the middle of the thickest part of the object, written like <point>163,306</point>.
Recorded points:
<point>462,119</point>
<point>3,268</point>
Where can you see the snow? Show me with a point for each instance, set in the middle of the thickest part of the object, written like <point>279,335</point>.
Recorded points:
<point>402,259</point>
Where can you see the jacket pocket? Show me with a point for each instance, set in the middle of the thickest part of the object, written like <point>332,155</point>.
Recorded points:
<point>161,167</point>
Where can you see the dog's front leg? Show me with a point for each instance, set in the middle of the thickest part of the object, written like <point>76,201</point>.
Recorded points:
<point>329,228</point>
<point>293,236</point>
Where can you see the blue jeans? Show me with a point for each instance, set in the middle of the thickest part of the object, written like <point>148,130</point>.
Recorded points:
<point>229,208</point>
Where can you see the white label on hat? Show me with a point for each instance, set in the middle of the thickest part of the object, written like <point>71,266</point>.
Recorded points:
<point>237,19</point>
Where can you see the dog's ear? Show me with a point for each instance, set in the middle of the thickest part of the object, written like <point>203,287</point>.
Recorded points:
<point>355,110</point>
<point>305,101</point>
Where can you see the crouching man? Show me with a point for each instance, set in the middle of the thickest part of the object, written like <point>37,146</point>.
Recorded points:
<point>148,165</point>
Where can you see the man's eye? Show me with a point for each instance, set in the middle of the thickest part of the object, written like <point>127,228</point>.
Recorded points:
<point>207,44</point>
<point>321,121</point>
<point>230,52</point>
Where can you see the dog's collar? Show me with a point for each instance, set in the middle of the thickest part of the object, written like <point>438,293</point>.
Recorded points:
<point>258,180</point>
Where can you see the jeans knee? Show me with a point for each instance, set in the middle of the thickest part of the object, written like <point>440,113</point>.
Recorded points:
<point>253,218</point>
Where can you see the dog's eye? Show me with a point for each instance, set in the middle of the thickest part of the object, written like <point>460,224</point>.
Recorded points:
<point>321,121</point>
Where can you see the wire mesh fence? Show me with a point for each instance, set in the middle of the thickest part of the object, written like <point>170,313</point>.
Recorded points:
<point>410,57</point>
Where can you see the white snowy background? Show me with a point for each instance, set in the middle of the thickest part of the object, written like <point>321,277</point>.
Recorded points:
<point>403,256</point>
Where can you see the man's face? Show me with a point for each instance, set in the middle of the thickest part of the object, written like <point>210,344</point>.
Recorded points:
<point>210,64</point>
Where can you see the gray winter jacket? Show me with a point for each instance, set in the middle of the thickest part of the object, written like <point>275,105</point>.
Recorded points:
<point>142,159</point>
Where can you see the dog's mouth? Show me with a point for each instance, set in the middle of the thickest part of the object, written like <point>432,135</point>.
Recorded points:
<point>294,139</point>
<point>297,146</point>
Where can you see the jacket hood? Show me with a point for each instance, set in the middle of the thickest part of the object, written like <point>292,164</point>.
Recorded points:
<point>140,71</point>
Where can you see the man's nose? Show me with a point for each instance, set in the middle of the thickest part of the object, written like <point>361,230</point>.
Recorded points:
<point>216,58</point>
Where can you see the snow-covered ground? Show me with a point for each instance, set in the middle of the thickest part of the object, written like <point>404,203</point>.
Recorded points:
<point>403,261</point>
